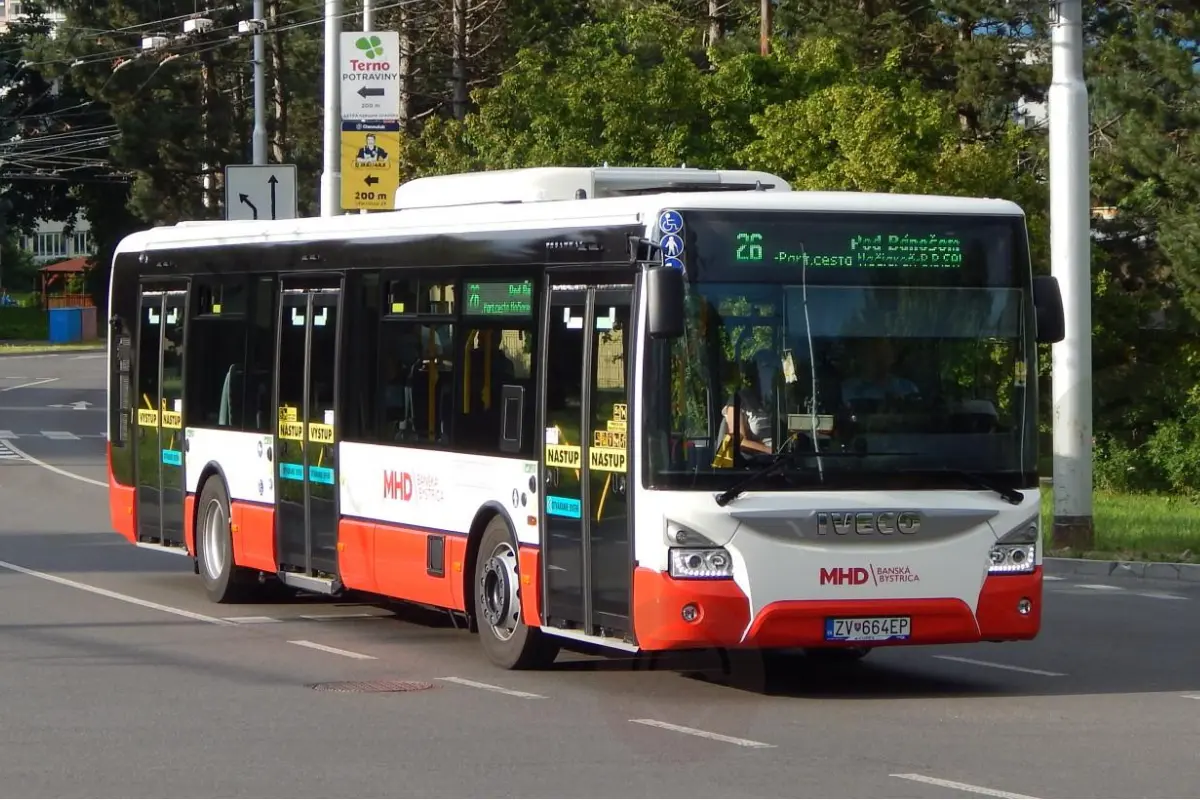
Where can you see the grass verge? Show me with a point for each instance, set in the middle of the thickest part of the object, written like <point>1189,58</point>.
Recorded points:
<point>1135,528</point>
<point>46,347</point>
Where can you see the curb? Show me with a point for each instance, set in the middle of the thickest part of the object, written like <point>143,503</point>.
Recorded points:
<point>1147,570</point>
<point>49,351</point>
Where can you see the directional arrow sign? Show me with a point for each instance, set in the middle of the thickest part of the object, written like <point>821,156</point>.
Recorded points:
<point>260,191</point>
<point>371,180</point>
<point>370,75</point>
<point>370,169</point>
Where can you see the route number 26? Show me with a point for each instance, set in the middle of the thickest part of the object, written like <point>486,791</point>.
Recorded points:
<point>748,247</point>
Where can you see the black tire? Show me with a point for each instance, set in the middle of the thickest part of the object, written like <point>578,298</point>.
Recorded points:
<point>508,642</point>
<point>223,582</point>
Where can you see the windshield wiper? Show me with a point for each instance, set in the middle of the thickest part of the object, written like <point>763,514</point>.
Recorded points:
<point>783,459</point>
<point>1007,493</point>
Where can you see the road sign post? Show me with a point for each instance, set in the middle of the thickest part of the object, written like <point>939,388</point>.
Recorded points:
<point>260,191</point>
<point>369,172</point>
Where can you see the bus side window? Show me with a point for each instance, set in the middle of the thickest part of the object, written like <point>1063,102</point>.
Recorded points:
<point>416,382</point>
<point>217,345</point>
<point>491,359</point>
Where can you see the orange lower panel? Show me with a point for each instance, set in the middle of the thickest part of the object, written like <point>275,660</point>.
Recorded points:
<point>122,501</point>
<point>121,504</point>
<point>801,623</point>
<point>401,565</point>
<point>189,523</point>
<point>724,615</point>
<point>658,602</point>
<point>531,586</point>
<point>997,612</point>
<point>253,531</point>
<point>356,555</point>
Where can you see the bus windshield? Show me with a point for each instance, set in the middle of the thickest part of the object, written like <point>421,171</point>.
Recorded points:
<point>897,348</point>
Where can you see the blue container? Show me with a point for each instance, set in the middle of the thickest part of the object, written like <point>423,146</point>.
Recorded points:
<point>66,325</point>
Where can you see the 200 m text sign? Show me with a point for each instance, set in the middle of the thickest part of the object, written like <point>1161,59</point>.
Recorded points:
<point>868,629</point>
<point>370,75</point>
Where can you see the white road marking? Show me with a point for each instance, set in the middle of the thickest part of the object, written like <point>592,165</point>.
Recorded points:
<point>719,737</point>
<point>1052,578</point>
<point>15,378</point>
<point>962,787</point>
<point>1010,667</point>
<point>492,688</point>
<point>1100,587</point>
<point>89,357</point>
<point>27,385</point>
<point>8,435</point>
<point>1192,696</point>
<point>249,620</point>
<point>327,649</point>
<point>37,462</point>
<point>1161,596</point>
<point>60,435</point>
<point>334,617</point>
<point>6,453</point>
<point>124,598</point>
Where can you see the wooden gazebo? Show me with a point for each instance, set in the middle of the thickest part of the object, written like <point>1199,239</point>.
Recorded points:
<point>57,276</point>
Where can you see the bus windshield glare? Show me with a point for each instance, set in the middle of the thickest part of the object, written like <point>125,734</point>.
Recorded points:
<point>898,347</point>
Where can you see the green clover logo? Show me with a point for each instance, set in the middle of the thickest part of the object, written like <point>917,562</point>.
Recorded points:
<point>371,46</point>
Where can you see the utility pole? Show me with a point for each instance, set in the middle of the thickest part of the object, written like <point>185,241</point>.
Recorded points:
<point>764,28</point>
<point>259,137</point>
<point>368,22</point>
<point>1070,263</point>
<point>331,178</point>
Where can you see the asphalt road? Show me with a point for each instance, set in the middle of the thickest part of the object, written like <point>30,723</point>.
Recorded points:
<point>119,679</point>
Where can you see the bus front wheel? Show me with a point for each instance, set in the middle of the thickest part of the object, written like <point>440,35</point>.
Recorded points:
<point>507,640</point>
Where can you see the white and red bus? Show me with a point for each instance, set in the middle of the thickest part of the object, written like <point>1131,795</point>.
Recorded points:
<point>649,409</point>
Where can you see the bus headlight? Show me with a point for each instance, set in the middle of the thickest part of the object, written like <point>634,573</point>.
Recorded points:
<point>1015,552</point>
<point>697,562</point>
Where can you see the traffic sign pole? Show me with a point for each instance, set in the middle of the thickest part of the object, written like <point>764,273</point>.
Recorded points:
<point>330,177</point>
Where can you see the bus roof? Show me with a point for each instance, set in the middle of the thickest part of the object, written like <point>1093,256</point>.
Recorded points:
<point>520,210</point>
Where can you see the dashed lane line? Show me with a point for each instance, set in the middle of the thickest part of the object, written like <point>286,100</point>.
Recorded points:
<point>337,651</point>
<point>1009,667</point>
<point>489,687</point>
<point>961,787</point>
<point>716,737</point>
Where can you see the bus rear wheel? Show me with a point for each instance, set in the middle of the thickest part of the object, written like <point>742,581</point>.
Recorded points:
<point>224,581</point>
<point>506,639</point>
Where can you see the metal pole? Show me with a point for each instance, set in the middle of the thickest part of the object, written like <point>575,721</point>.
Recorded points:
<point>331,178</point>
<point>368,9</point>
<point>764,28</point>
<point>259,138</point>
<point>1070,263</point>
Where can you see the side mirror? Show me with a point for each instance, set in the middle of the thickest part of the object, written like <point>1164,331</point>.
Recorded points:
<point>1048,308</point>
<point>664,291</point>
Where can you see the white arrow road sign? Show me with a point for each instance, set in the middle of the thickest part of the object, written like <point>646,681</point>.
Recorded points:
<point>370,75</point>
<point>260,191</point>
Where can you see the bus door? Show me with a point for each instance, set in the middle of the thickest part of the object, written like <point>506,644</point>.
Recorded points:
<point>158,445</point>
<point>587,554</point>
<point>306,511</point>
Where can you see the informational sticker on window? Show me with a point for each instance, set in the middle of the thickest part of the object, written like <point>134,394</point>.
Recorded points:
<point>292,431</point>
<point>147,418</point>
<point>172,420</point>
<point>321,434</point>
<point>606,459</point>
<point>567,456</point>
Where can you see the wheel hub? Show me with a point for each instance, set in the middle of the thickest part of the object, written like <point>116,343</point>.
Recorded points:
<point>499,599</point>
